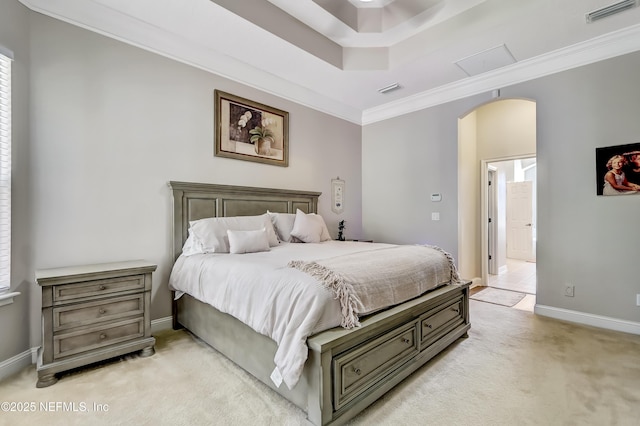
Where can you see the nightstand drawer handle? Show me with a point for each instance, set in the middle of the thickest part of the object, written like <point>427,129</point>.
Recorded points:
<point>102,311</point>
<point>356,370</point>
<point>428,325</point>
<point>103,336</point>
<point>102,287</point>
<point>405,340</point>
<point>456,310</point>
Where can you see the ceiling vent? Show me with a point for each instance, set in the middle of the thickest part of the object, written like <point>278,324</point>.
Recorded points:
<point>612,9</point>
<point>389,88</point>
<point>488,60</point>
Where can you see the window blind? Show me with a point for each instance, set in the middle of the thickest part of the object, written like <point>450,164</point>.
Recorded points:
<point>5,172</point>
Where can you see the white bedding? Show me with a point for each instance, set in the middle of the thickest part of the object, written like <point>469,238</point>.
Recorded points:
<point>258,289</point>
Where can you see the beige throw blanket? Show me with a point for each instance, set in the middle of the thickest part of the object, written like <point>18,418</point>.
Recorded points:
<point>371,280</point>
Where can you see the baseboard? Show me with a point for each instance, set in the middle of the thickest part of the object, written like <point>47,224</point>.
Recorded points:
<point>588,319</point>
<point>15,364</point>
<point>161,324</point>
<point>476,282</point>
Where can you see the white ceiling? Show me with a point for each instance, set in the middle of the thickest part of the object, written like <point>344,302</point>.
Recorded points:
<point>334,55</point>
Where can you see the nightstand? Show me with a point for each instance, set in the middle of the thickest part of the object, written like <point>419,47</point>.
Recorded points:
<point>91,313</point>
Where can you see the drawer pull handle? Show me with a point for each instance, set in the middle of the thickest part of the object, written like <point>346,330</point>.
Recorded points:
<point>102,311</point>
<point>456,310</point>
<point>405,340</point>
<point>103,336</point>
<point>102,287</point>
<point>429,326</point>
<point>356,370</point>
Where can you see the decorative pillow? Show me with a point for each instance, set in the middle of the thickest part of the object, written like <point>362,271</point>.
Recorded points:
<point>211,234</point>
<point>325,236</point>
<point>248,241</point>
<point>191,246</point>
<point>283,224</point>
<point>306,226</point>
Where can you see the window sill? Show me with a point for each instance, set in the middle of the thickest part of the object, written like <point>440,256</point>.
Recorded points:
<point>7,298</point>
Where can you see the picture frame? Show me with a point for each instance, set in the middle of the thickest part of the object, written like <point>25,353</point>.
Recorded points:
<point>618,170</point>
<point>250,131</point>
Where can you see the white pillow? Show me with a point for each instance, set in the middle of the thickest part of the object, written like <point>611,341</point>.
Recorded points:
<point>191,246</point>
<point>211,234</point>
<point>248,241</point>
<point>283,224</point>
<point>325,232</point>
<point>310,228</point>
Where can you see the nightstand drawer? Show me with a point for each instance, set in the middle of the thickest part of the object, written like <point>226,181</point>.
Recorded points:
<point>70,292</point>
<point>65,344</point>
<point>81,314</point>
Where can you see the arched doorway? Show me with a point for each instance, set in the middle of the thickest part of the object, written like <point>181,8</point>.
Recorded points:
<point>500,130</point>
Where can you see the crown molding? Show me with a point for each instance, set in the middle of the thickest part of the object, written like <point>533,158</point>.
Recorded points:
<point>98,18</point>
<point>111,23</point>
<point>613,44</point>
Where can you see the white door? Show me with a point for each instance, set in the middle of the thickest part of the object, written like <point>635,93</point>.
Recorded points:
<point>520,221</point>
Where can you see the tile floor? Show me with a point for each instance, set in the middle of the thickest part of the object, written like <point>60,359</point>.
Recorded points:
<point>519,276</point>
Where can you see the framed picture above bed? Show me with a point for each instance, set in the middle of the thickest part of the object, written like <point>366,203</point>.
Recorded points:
<point>251,131</point>
<point>618,170</point>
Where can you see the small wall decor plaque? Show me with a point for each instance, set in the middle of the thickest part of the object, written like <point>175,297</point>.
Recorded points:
<point>337,195</point>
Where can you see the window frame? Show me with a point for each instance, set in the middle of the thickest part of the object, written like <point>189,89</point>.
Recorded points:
<point>6,58</point>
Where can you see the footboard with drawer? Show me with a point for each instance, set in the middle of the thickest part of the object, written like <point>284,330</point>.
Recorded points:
<point>360,365</point>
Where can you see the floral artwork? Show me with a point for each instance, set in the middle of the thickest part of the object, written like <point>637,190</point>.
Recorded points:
<point>618,170</point>
<point>241,119</point>
<point>247,130</point>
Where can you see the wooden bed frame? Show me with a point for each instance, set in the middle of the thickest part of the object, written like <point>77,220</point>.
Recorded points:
<point>347,370</point>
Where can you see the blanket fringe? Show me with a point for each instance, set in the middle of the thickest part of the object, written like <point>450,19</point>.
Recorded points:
<point>455,277</point>
<point>336,283</point>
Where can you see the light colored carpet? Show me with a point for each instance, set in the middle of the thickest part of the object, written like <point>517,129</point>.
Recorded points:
<point>514,369</point>
<point>498,296</point>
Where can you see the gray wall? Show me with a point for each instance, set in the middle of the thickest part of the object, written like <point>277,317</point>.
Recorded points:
<point>404,160</point>
<point>583,239</point>
<point>110,125</point>
<point>14,318</point>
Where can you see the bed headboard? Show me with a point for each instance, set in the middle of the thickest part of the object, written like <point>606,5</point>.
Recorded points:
<point>193,201</point>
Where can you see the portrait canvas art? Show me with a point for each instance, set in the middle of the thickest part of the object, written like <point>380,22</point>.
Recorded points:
<point>618,170</point>
<point>247,130</point>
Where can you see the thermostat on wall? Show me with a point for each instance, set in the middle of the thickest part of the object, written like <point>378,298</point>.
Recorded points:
<point>436,197</point>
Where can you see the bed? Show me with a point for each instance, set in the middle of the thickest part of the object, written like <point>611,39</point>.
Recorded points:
<point>346,369</point>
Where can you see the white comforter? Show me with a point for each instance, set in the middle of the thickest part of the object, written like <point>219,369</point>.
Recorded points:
<point>260,290</point>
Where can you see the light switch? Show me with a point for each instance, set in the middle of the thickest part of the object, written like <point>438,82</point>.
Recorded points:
<point>436,197</point>
<point>435,216</point>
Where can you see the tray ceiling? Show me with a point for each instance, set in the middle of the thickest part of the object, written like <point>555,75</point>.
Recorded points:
<point>334,55</point>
